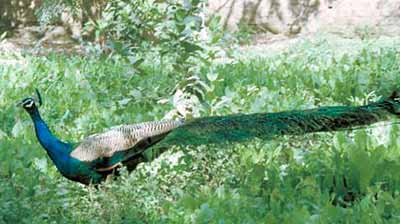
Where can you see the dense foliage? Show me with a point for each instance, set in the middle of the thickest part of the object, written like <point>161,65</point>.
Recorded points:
<point>173,34</point>
<point>172,30</point>
<point>344,177</point>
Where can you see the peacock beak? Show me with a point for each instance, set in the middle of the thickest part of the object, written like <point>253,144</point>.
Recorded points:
<point>18,104</point>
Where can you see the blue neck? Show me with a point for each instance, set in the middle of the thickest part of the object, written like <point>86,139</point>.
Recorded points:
<point>56,149</point>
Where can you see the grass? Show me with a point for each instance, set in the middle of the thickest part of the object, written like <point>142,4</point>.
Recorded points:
<point>343,177</point>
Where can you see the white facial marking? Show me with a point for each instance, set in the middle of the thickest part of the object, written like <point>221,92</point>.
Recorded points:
<point>30,104</point>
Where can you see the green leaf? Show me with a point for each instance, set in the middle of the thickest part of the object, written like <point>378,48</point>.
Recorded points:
<point>17,129</point>
<point>191,47</point>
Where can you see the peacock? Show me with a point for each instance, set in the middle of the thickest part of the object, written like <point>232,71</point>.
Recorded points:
<point>97,156</point>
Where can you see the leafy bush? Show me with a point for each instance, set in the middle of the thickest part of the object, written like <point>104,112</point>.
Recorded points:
<point>170,27</point>
<point>172,33</point>
<point>50,11</point>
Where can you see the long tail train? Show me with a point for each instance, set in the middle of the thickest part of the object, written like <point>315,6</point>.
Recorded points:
<point>237,128</point>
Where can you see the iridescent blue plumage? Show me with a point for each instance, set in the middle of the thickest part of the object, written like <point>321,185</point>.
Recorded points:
<point>57,150</point>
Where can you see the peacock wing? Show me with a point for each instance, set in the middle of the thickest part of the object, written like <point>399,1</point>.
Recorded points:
<point>114,144</point>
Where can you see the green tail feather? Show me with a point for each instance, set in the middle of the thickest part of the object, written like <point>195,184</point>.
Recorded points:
<point>238,128</point>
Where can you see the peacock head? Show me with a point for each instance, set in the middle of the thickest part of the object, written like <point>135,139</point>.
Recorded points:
<point>29,103</point>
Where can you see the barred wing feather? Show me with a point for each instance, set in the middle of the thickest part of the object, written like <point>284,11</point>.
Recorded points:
<point>121,138</point>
